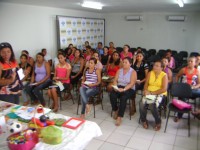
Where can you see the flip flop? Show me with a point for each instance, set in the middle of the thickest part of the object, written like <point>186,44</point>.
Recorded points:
<point>88,109</point>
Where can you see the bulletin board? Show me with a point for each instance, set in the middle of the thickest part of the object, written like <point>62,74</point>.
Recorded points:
<point>77,30</point>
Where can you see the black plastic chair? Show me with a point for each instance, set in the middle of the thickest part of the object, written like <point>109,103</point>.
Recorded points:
<point>184,91</point>
<point>119,49</point>
<point>184,54</point>
<point>151,52</point>
<point>174,52</point>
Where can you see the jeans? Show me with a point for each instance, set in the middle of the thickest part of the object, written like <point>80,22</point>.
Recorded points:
<point>123,97</point>
<point>154,111</point>
<point>12,98</point>
<point>35,92</point>
<point>86,93</point>
<point>24,94</point>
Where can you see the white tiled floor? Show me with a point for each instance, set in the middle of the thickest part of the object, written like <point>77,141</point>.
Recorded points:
<point>131,136</point>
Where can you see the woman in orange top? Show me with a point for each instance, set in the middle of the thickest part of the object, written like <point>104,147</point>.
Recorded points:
<point>111,48</point>
<point>10,86</point>
<point>113,67</point>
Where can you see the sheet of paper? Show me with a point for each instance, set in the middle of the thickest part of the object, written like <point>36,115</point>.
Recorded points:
<point>105,77</point>
<point>33,83</point>
<point>73,123</point>
<point>87,82</point>
<point>115,87</point>
<point>20,73</point>
<point>60,85</point>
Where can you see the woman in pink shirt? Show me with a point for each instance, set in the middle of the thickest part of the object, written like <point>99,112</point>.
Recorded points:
<point>125,52</point>
<point>171,64</point>
<point>62,74</point>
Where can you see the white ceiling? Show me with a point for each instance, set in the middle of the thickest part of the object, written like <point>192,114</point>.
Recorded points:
<point>113,6</point>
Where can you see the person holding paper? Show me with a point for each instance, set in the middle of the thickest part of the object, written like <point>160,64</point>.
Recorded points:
<point>26,67</point>
<point>90,85</point>
<point>155,84</point>
<point>40,79</point>
<point>10,86</point>
<point>61,75</point>
<point>124,88</point>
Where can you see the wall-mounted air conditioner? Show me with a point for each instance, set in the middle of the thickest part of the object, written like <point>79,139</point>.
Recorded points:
<point>133,18</point>
<point>176,18</point>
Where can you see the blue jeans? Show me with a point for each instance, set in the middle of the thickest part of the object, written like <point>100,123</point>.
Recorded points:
<point>86,93</point>
<point>12,98</point>
<point>154,111</point>
<point>35,92</point>
<point>24,94</point>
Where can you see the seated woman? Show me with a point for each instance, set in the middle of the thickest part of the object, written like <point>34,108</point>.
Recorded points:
<point>125,79</point>
<point>125,52</point>
<point>27,72</point>
<point>167,70</point>
<point>98,65</point>
<point>77,67</point>
<point>142,70</point>
<point>112,68</point>
<point>62,74</point>
<point>155,84</point>
<point>111,48</point>
<point>190,75</point>
<point>105,57</point>
<point>30,59</point>
<point>10,86</point>
<point>40,79</point>
<point>90,85</point>
<point>171,64</point>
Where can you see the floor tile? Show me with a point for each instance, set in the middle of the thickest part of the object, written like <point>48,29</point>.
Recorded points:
<point>164,138</point>
<point>110,146</point>
<point>186,142</point>
<point>124,129</point>
<point>94,144</point>
<point>160,146</point>
<point>139,143</point>
<point>144,133</point>
<point>119,138</point>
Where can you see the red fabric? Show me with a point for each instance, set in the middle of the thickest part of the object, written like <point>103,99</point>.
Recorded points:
<point>112,70</point>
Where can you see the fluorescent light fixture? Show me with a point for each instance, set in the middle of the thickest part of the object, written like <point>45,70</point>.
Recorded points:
<point>93,5</point>
<point>180,3</point>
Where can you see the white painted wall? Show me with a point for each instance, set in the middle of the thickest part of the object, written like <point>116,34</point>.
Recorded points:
<point>154,31</point>
<point>33,27</point>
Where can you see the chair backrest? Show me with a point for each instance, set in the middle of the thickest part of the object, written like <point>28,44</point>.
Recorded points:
<point>119,49</point>
<point>183,54</point>
<point>182,90</point>
<point>195,54</point>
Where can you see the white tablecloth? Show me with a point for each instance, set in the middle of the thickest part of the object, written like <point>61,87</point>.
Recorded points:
<point>72,139</point>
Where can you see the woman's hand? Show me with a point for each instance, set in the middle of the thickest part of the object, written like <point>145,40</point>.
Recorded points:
<point>120,90</point>
<point>138,82</point>
<point>146,92</point>
<point>72,77</point>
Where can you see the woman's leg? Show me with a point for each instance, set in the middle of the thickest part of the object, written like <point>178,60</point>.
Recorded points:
<point>143,111</point>
<point>84,98</point>
<point>155,113</point>
<point>29,91</point>
<point>55,99</point>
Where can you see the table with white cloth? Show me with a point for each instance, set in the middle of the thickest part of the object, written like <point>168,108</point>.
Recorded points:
<point>72,139</point>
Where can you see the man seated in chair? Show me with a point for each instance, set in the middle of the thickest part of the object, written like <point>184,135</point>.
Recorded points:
<point>90,86</point>
<point>156,86</point>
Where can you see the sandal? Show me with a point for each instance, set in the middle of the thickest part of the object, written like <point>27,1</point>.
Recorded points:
<point>26,103</point>
<point>176,119</point>
<point>157,127</point>
<point>118,121</point>
<point>145,125</point>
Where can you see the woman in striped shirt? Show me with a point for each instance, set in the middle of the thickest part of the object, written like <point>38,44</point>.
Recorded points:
<point>90,85</point>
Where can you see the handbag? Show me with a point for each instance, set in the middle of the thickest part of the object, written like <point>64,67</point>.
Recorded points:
<point>150,99</point>
<point>181,104</point>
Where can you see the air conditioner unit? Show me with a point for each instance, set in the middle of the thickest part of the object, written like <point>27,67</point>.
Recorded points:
<point>133,18</point>
<point>176,18</point>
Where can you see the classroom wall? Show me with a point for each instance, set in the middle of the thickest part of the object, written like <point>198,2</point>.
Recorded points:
<point>33,27</point>
<point>154,31</point>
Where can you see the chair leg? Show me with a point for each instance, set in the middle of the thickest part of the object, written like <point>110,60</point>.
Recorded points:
<point>129,108</point>
<point>79,97</point>
<point>188,124</point>
<point>94,108</point>
<point>167,121</point>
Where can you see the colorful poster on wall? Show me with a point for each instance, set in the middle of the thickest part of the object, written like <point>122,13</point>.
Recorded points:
<point>77,30</point>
